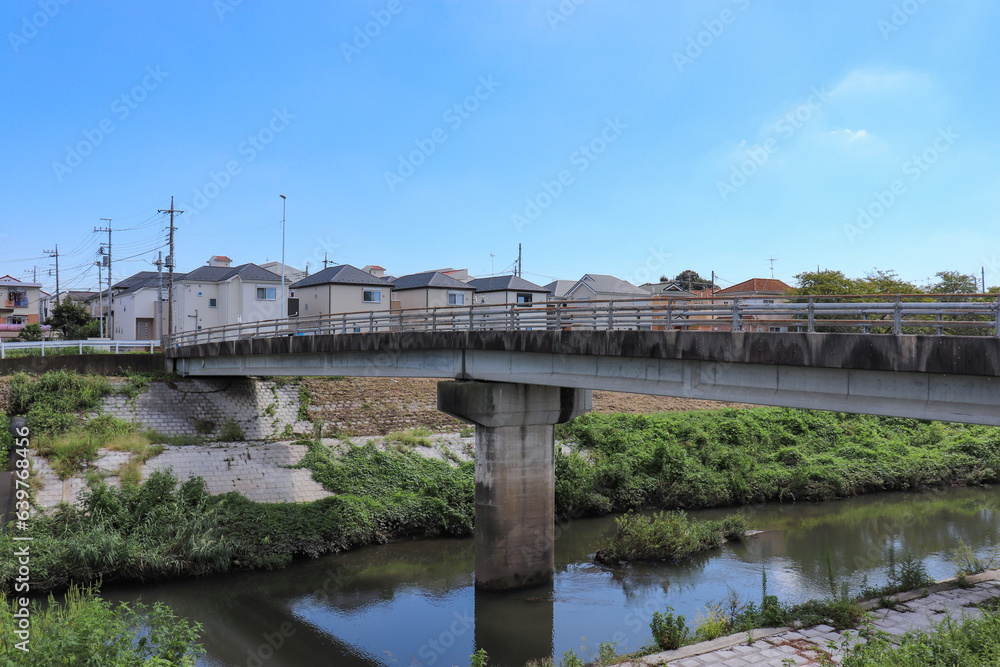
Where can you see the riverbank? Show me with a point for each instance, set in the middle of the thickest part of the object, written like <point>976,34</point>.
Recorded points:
<point>918,611</point>
<point>418,484</point>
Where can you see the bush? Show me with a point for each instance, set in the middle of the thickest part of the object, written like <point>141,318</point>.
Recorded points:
<point>668,536</point>
<point>231,431</point>
<point>84,629</point>
<point>669,632</point>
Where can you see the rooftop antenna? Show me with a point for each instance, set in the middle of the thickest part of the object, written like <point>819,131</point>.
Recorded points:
<point>772,260</point>
<point>492,272</point>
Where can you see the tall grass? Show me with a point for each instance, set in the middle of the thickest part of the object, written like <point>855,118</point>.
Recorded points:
<point>668,536</point>
<point>83,629</point>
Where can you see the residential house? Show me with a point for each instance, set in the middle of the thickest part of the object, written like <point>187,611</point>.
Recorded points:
<point>507,289</point>
<point>557,288</point>
<point>19,305</point>
<point>752,292</point>
<point>219,294</point>
<point>136,313</point>
<point>595,286</point>
<point>342,289</point>
<point>430,289</point>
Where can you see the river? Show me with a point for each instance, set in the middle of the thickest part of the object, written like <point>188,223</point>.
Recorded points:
<point>414,603</point>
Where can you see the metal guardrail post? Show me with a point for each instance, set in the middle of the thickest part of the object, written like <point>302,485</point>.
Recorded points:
<point>939,328</point>
<point>996,324</point>
<point>559,317</point>
<point>471,325</point>
<point>812,315</point>
<point>611,315</point>
<point>669,326</point>
<point>737,324</point>
<point>897,317</point>
<point>371,322</point>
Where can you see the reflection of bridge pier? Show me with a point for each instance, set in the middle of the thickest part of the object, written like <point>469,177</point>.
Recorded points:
<point>515,628</point>
<point>515,474</point>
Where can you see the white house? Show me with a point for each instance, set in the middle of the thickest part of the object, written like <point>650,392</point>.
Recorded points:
<point>342,289</point>
<point>595,286</point>
<point>430,289</point>
<point>507,289</point>
<point>134,307</point>
<point>220,294</point>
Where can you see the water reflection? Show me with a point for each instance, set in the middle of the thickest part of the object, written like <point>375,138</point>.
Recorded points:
<point>413,603</point>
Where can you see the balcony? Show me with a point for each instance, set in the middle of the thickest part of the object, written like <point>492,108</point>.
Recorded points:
<point>19,302</point>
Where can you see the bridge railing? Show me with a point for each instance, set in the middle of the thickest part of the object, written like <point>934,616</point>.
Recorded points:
<point>873,314</point>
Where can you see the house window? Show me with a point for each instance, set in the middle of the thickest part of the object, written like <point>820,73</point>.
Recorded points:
<point>17,319</point>
<point>373,296</point>
<point>768,301</point>
<point>456,298</point>
<point>307,307</point>
<point>774,329</point>
<point>267,293</point>
<point>212,303</point>
<point>524,298</point>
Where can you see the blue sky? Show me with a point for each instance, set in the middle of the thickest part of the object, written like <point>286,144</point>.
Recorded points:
<point>623,137</point>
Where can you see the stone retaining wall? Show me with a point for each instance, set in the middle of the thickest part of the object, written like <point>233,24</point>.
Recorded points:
<point>263,409</point>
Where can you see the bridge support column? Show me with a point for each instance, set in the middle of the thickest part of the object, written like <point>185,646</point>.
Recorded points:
<point>515,474</point>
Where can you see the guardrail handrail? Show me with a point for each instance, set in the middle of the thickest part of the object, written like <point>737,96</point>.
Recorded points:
<point>43,345</point>
<point>878,313</point>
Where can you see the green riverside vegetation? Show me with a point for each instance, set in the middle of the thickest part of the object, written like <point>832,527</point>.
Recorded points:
<point>668,536</point>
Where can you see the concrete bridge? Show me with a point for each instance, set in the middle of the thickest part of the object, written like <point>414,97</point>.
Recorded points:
<point>516,385</point>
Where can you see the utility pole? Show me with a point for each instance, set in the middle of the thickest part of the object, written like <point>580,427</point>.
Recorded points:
<point>159,297</point>
<point>55,253</point>
<point>284,294</point>
<point>983,269</point>
<point>713,283</point>
<point>170,269</point>
<point>107,262</point>
<point>100,295</point>
<point>519,267</point>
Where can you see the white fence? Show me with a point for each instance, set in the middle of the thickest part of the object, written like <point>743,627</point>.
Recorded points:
<point>79,345</point>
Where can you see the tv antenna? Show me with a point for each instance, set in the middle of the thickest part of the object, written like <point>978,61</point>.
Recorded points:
<point>772,260</point>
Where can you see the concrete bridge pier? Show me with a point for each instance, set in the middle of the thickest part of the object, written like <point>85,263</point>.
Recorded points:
<point>515,474</point>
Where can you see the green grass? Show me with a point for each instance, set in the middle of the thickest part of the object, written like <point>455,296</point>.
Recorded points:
<point>55,402</point>
<point>411,437</point>
<point>83,629</point>
<point>732,457</point>
<point>966,643</point>
<point>667,536</point>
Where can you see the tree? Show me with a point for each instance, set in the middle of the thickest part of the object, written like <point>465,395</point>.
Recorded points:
<point>73,320</point>
<point>31,333</point>
<point>690,280</point>
<point>953,282</point>
<point>877,281</point>
<point>825,282</point>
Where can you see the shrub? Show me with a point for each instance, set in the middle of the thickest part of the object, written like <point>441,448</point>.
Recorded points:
<point>83,629</point>
<point>669,631</point>
<point>667,536</point>
<point>231,431</point>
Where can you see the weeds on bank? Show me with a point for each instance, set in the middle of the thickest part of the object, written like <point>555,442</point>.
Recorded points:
<point>84,629</point>
<point>411,437</point>
<point>668,536</point>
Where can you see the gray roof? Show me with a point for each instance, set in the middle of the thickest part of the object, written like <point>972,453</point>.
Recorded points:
<point>125,283</point>
<point>604,283</point>
<point>428,279</point>
<point>218,274</point>
<point>342,274</point>
<point>503,283</point>
<point>559,287</point>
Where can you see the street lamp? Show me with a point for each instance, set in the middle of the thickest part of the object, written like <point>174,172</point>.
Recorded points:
<point>284,298</point>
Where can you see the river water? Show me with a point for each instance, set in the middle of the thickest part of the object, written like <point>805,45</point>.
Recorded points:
<point>414,603</point>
